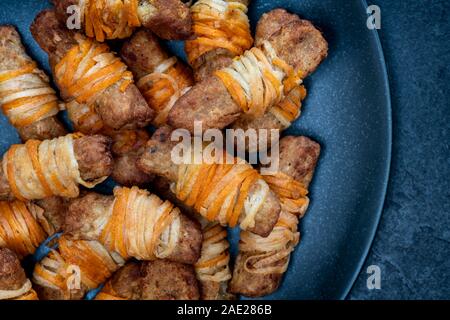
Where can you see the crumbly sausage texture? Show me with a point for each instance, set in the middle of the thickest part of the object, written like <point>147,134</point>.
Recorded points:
<point>169,234</point>
<point>36,170</point>
<point>261,263</point>
<point>14,284</point>
<point>169,19</point>
<point>297,48</point>
<point>260,218</point>
<point>114,97</point>
<point>27,99</point>
<point>152,280</point>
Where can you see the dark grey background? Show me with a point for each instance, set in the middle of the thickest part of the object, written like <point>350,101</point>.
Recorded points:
<point>412,245</point>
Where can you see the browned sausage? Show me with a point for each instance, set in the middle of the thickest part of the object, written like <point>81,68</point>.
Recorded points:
<point>298,158</point>
<point>298,43</point>
<point>213,57</point>
<point>161,78</point>
<point>13,58</point>
<point>92,154</point>
<point>73,268</point>
<point>157,159</point>
<point>86,220</point>
<point>14,284</point>
<point>119,107</point>
<point>152,280</point>
<point>169,19</point>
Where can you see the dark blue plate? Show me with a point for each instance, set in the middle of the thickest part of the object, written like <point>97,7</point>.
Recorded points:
<point>347,110</point>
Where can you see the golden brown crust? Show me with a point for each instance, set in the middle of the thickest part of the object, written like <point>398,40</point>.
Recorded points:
<point>84,215</point>
<point>171,20</point>
<point>12,275</point>
<point>301,45</point>
<point>251,284</point>
<point>164,280</point>
<point>208,102</point>
<point>299,164</point>
<point>14,56</point>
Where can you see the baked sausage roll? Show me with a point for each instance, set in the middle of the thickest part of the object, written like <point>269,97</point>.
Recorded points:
<point>103,19</point>
<point>229,193</point>
<point>26,97</point>
<point>40,169</point>
<point>135,224</point>
<point>261,262</point>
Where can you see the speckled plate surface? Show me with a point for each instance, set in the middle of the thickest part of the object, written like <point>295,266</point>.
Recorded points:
<point>347,111</point>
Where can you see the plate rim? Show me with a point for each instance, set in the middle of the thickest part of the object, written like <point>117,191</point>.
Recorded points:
<point>379,211</point>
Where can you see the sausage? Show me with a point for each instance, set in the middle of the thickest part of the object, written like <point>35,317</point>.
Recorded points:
<point>14,57</point>
<point>152,280</point>
<point>24,226</point>
<point>213,279</point>
<point>127,147</point>
<point>86,220</point>
<point>298,158</point>
<point>119,108</point>
<point>93,158</point>
<point>269,24</point>
<point>14,284</point>
<point>12,275</point>
<point>157,160</point>
<point>298,43</point>
<point>169,19</point>
<point>215,57</point>
<point>170,77</point>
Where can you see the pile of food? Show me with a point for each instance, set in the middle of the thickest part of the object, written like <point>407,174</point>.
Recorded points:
<point>162,234</point>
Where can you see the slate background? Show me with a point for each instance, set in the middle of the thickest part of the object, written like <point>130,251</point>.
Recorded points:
<point>412,245</point>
